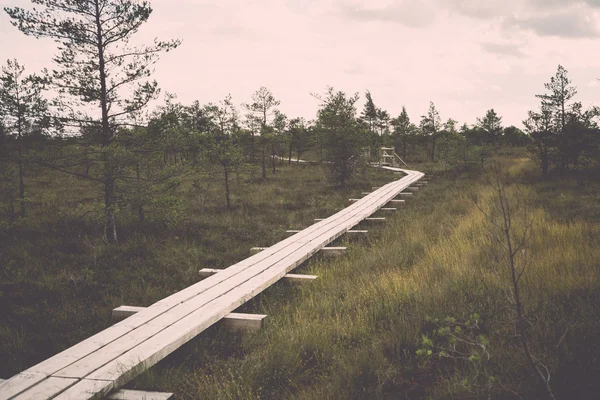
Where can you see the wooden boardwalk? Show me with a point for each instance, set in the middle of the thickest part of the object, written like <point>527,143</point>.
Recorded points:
<point>108,360</point>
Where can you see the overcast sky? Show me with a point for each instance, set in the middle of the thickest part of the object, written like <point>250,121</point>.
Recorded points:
<point>464,55</point>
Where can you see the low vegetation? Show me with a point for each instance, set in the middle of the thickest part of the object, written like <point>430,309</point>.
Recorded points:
<point>363,330</point>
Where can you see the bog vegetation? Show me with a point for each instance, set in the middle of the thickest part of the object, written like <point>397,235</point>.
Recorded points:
<point>104,202</point>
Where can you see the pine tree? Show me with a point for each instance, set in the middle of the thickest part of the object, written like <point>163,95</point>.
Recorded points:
<point>22,109</point>
<point>343,138</point>
<point>96,68</point>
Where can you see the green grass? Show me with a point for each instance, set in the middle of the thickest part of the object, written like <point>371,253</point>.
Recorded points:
<point>59,281</point>
<point>354,333</point>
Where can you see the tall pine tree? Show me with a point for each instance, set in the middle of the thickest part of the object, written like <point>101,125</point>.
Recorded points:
<point>97,68</point>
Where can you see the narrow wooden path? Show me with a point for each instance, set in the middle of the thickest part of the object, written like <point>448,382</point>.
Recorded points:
<point>108,360</point>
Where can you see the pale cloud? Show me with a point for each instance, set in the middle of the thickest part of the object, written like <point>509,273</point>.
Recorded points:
<point>567,24</point>
<point>503,49</point>
<point>414,14</point>
<point>558,18</point>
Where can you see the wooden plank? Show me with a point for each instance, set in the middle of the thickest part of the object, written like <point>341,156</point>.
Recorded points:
<point>127,394</point>
<point>205,272</point>
<point>239,321</point>
<point>297,278</point>
<point>188,312</point>
<point>375,219</point>
<point>327,251</point>
<point>388,209</point>
<point>46,389</point>
<point>87,389</point>
<point>333,251</point>
<point>127,311</point>
<point>123,312</point>
<point>19,383</point>
<point>351,231</point>
<point>412,188</point>
<point>398,202</point>
<point>405,194</point>
<point>364,193</point>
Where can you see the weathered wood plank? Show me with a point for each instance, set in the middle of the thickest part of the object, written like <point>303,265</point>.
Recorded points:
<point>19,383</point>
<point>123,312</point>
<point>359,231</point>
<point>326,251</point>
<point>205,272</point>
<point>127,394</point>
<point>398,202</point>
<point>333,251</point>
<point>87,389</point>
<point>297,278</point>
<point>232,320</point>
<point>46,389</point>
<point>238,321</point>
<point>388,209</point>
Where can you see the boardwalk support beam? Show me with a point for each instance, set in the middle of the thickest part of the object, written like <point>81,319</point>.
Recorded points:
<point>127,394</point>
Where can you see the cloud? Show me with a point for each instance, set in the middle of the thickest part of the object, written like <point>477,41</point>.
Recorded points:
<point>571,24</point>
<point>558,18</point>
<point>563,3</point>
<point>478,9</point>
<point>504,49</point>
<point>410,13</point>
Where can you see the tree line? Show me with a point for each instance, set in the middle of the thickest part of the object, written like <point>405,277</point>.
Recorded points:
<point>95,128</point>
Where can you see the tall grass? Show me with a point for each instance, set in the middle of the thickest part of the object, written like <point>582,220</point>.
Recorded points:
<point>59,281</point>
<point>355,332</point>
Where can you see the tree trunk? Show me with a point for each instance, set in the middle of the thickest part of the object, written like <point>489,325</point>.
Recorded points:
<point>264,168</point>
<point>252,150</point>
<point>544,160</point>
<point>273,157</point>
<point>141,214</point>
<point>433,147</point>
<point>11,207</point>
<point>404,148</point>
<point>290,153</point>
<point>21,178</point>
<point>227,198</point>
<point>110,228</point>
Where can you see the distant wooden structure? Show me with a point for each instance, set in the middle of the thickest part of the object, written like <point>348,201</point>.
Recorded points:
<point>389,158</point>
<point>100,365</point>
